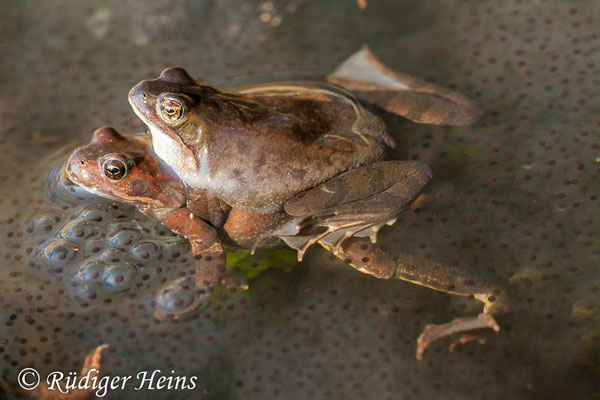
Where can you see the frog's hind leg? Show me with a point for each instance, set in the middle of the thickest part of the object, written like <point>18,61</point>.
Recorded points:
<point>356,203</point>
<point>371,259</point>
<point>402,94</point>
<point>341,213</point>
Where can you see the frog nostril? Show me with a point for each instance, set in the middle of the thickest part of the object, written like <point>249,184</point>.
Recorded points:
<point>144,97</point>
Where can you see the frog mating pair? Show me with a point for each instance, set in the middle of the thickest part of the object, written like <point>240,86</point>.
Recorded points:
<point>293,162</point>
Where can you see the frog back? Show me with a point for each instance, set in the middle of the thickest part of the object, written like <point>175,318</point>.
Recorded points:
<point>282,139</point>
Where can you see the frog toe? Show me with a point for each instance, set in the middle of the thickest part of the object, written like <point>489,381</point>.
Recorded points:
<point>469,328</point>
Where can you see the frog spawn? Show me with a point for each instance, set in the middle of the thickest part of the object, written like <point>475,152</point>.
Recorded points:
<point>103,250</point>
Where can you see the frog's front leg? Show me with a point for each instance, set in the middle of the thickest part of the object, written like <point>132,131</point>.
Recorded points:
<point>185,294</point>
<point>369,258</point>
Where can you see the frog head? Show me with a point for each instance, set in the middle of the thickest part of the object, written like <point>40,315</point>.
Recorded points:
<point>186,117</point>
<point>124,168</point>
<point>167,104</point>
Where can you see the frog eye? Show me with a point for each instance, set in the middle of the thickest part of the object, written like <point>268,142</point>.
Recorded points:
<point>171,110</point>
<point>114,169</point>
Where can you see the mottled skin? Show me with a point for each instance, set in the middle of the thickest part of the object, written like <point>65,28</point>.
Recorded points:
<point>302,163</point>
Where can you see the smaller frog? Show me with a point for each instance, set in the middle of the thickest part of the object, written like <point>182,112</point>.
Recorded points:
<point>124,168</point>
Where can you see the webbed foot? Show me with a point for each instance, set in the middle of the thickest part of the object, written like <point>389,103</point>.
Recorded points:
<point>370,258</point>
<point>420,101</point>
<point>465,326</point>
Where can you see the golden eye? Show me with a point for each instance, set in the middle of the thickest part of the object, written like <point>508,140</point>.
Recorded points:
<point>114,169</point>
<point>171,110</point>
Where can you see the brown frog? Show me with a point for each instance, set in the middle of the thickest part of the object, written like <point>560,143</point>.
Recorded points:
<point>299,162</point>
<point>124,168</point>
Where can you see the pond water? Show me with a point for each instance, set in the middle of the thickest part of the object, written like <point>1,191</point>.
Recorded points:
<point>514,197</point>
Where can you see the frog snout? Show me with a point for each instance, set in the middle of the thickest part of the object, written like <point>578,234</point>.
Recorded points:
<point>135,95</point>
<point>65,177</point>
<point>140,95</point>
<point>72,169</point>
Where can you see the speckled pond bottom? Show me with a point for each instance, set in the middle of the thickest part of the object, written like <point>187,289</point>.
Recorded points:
<point>515,197</point>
